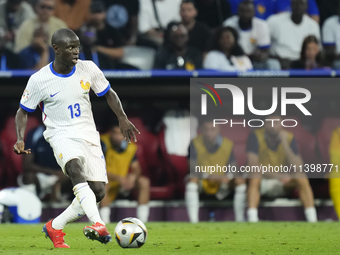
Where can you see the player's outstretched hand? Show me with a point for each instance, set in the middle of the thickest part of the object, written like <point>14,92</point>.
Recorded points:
<point>128,130</point>
<point>19,148</point>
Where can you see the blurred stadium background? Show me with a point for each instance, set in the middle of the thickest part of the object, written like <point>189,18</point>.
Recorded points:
<point>151,95</point>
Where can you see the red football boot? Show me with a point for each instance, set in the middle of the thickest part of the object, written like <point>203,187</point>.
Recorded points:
<point>97,232</point>
<point>56,236</point>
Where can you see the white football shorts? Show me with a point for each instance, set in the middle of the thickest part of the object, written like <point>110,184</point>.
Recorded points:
<point>90,155</point>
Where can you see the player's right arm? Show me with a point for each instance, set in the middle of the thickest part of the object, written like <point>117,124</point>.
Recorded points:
<point>30,99</point>
<point>20,127</point>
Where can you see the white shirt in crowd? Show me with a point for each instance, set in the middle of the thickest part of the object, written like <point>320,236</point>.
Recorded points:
<point>65,101</point>
<point>217,60</point>
<point>287,37</point>
<point>331,32</point>
<point>168,10</point>
<point>257,36</point>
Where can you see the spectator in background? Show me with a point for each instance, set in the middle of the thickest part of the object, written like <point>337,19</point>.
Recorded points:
<point>44,9</point>
<point>327,9</point>
<point>226,54</point>
<point>331,39</point>
<point>41,173</point>
<point>39,53</point>
<point>176,54</point>
<point>101,43</point>
<point>312,10</point>
<point>213,12</point>
<point>8,59</point>
<point>311,57</point>
<point>12,14</point>
<point>123,173</point>
<point>72,12</point>
<point>266,8</point>
<point>123,16</point>
<point>288,30</point>
<point>199,33</point>
<point>210,148</point>
<point>272,146</point>
<point>254,37</point>
<point>154,17</point>
<point>334,181</point>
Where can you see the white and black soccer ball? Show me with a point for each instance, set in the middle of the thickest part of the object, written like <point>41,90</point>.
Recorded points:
<point>131,233</point>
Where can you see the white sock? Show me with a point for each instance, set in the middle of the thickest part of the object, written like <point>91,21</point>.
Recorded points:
<point>310,214</point>
<point>30,187</point>
<point>192,201</point>
<point>87,201</point>
<point>252,215</point>
<point>73,212</point>
<point>143,212</point>
<point>105,213</point>
<point>240,202</point>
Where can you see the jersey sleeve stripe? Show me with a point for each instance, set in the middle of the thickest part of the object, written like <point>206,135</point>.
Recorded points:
<point>26,108</point>
<point>264,47</point>
<point>328,44</point>
<point>104,91</point>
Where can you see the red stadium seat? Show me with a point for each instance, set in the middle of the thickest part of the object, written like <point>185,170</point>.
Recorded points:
<point>239,135</point>
<point>306,144</point>
<point>13,162</point>
<point>178,165</point>
<point>153,163</point>
<point>324,135</point>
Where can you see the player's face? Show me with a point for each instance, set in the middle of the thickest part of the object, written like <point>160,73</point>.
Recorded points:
<point>210,132</point>
<point>273,129</point>
<point>116,136</point>
<point>188,12</point>
<point>68,51</point>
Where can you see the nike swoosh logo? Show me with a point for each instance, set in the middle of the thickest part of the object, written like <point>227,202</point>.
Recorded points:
<point>54,94</point>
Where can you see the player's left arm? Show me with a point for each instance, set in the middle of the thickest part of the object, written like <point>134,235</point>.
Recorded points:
<point>20,127</point>
<point>290,149</point>
<point>126,127</point>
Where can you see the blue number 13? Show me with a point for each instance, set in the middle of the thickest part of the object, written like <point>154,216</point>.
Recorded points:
<point>76,107</point>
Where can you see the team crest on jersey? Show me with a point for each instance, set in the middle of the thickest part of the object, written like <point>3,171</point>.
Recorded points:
<point>25,94</point>
<point>85,85</point>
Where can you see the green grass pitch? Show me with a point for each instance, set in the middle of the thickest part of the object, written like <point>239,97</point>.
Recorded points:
<point>185,238</point>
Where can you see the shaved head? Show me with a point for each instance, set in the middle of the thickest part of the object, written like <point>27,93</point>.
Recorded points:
<point>63,35</point>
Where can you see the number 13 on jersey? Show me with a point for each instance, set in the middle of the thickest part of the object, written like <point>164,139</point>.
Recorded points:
<point>76,112</point>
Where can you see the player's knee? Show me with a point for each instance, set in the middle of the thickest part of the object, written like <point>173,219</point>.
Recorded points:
<point>194,180</point>
<point>144,182</point>
<point>74,170</point>
<point>98,189</point>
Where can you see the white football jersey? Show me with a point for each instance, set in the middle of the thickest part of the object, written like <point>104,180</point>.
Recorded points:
<point>64,100</point>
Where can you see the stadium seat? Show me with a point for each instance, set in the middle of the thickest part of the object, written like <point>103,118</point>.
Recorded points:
<point>13,162</point>
<point>177,164</point>
<point>139,57</point>
<point>239,135</point>
<point>306,144</point>
<point>324,135</point>
<point>153,163</point>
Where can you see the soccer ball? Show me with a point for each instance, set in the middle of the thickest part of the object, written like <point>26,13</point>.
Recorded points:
<point>131,233</point>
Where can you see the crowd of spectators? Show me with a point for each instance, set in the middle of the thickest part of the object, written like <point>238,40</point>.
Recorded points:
<point>225,35</point>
